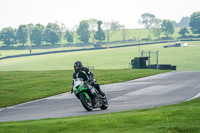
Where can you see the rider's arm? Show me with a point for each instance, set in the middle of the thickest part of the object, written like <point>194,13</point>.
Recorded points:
<point>74,76</point>
<point>89,73</point>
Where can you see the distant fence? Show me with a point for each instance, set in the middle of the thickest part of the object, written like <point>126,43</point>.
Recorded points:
<point>40,47</point>
<point>50,52</point>
<point>82,44</point>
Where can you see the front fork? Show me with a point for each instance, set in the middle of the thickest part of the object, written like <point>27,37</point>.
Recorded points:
<point>86,95</point>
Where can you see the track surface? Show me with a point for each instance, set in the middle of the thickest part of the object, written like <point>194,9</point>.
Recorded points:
<point>149,92</point>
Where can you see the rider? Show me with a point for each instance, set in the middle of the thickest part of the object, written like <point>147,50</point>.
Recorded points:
<point>83,72</point>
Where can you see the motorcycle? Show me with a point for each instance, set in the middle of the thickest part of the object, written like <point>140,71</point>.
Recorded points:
<point>88,95</point>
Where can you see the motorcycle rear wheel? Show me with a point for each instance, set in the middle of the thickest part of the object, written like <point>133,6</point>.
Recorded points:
<point>87,103</point>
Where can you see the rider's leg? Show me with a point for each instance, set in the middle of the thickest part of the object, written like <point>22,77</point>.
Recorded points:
<point>98,89</point>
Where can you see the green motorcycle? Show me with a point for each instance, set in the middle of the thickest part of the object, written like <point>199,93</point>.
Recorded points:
<point>88,95</point>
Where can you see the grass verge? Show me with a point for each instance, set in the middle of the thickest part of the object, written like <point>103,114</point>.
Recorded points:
<point>183,117</point>
<point>23,86</point>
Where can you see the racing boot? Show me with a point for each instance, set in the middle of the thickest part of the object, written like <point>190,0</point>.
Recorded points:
<point>99,90</point>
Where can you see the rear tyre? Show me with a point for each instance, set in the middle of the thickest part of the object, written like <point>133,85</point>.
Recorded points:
<point>104,104</point>
<point>87,103</point>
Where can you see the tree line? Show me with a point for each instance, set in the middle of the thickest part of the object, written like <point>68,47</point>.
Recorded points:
<point>94,29</point>
<point>53,33</point>
<point>157,26</point>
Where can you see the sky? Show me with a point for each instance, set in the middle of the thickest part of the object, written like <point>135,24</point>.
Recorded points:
<point>70,12</point>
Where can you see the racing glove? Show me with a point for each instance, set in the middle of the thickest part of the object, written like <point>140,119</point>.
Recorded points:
<point>72,90</point>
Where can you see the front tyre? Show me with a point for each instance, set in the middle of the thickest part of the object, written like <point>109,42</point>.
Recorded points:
<point>87,103</point>
<point>104,104</point>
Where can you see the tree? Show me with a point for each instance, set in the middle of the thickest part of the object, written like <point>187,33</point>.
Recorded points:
<point>75,34</point>
<point>107,29</point>
<point>183,31</point>
<point>99,35</point>
<point>30,28</point>
<point>110,29</point>
<point>92,27</point>
<point>8,36</point>
<point>115,25</point>
<point>156,28</point>
<point>63,28</point>
<point>124,32</point>
<point>22,34</point>
<point>69,36</point>
<point>195,23</point>
<point>167,27</point>
<point>174,23</point>
<point>184,22</point>
<point>147,19</point>
<point>37,34</point>
<point>52,33</point>
<point>83,32</point>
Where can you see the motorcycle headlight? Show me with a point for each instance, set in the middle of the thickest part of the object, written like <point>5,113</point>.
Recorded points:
<point>75,89</point>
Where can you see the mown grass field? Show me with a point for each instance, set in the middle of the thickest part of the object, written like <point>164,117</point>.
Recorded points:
<point>183,117</point>
<point>22,86</point>
<point>185,58</point>
<point>136,34</point>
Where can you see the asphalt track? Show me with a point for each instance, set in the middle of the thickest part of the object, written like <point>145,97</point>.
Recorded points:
<point>149,92</point>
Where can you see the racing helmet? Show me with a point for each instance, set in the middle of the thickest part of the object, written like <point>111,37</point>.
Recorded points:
<point>78,66</point>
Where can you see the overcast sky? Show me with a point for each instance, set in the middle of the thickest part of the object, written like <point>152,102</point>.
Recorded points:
<point>70,12</point>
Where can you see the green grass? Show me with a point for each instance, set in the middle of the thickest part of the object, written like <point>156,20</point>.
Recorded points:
<point>135,34</point>
<point>22,86</point>
<point>185,58</point>
<point>183,117</point>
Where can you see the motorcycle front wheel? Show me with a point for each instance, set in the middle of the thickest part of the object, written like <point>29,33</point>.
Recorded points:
<point>87,103</point>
